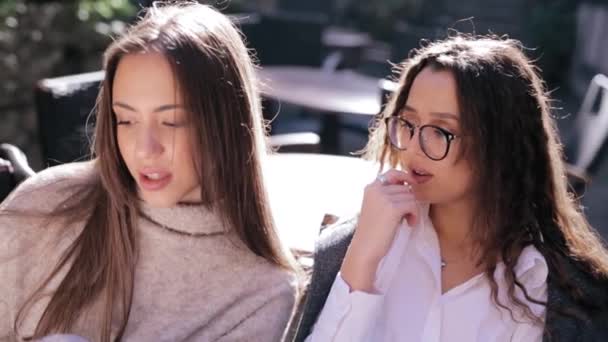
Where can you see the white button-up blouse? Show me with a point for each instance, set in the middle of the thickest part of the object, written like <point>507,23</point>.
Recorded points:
<point>409,305</point>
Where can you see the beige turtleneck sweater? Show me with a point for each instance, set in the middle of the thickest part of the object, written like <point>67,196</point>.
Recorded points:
<point>187,288</point>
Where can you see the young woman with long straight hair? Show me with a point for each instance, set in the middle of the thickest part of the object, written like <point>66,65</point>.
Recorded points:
<point>166,234</point>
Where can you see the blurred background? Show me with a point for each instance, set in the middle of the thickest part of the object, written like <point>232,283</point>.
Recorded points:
<point>323,63</point>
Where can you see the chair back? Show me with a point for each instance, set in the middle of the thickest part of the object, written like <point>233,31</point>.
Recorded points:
<point>308,6</point>
<point>587,146</point>
<point>63,105</point>
<point>286,38</point>
<point>14,169</point>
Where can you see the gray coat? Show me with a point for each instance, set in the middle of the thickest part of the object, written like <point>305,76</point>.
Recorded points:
<point>334,241</point>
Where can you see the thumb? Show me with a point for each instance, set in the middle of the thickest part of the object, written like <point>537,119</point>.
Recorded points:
<point>413,216</point>
<point>411,219</point>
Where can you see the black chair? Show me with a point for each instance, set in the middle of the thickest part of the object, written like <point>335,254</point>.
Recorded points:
<point>63,105</point>
<point>308,6</point>
<point>408,36</point>
<point>586,149</point>
<point>249,25</point>
<point>14,169</point>
<point>286,38</point>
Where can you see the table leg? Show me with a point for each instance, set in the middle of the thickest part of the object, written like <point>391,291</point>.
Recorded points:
<point>330,139</point>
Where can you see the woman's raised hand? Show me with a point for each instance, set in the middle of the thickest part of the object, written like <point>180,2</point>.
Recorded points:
<point>387,201</point>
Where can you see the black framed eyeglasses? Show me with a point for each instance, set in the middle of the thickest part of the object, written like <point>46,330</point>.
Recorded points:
<point>434,141</point>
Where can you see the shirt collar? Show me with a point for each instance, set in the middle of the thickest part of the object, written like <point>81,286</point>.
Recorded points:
<point>187,219</point>
<point>531,268</point>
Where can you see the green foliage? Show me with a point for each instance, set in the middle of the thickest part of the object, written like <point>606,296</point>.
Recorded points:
<point>52,33</point>
<point>92,10</point>
<point>7,8</point>
<point>86,10</point>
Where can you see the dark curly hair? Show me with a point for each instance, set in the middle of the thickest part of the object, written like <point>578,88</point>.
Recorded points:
<point>513,145</point>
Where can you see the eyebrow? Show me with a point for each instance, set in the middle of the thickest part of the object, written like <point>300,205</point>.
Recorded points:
<point>441,115</point>
<point>156,110</point>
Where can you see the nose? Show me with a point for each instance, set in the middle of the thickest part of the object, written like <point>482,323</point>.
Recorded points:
<point>148,144</point>
<point>413,150</point>
<point>414,146</point>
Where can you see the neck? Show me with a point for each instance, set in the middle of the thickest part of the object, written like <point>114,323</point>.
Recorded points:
<point>453,222</point>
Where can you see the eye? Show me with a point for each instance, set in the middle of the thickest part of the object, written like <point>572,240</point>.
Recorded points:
<point>123,122</point>
<point>444,133</point>
<point>408,124</point>
<point>439,132</point>
<point>172,124</point>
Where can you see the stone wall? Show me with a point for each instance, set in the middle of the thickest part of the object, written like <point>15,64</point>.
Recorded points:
<point>49,39</point>
<point>38,41</point>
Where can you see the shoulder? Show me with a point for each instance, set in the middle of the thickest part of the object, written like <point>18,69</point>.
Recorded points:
<point>581,281</point>
<point>283,282</point>
<point>47,187</point>
<point>330,249</point>
<point>335,239</point>
<point>275,279</point>
<point>252,273</point>
<point>32,243</point>
<point>329,252</point>
<point>591,320</point>
<point>26,221</point>
<point>263,289</point>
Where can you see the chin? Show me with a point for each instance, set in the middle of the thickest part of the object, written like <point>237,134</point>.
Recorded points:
<point>422,196</point>
<point>441,199</point>
<point>158,200</point>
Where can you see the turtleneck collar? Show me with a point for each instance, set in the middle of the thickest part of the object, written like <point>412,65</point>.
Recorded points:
<point>188,219</point>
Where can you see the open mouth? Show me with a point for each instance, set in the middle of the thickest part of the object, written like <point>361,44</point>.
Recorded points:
<point>154,180</point>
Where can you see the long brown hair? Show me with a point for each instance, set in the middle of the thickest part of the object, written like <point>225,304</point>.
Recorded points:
<point>216,77</point>
<point>514,149</point>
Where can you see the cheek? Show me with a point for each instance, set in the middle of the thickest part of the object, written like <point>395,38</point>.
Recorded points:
<point>457,178</point>
<point>185,158</point>
<point>462,171</point>
<point>124,146</point>
<point>460,180</point>
<point>452,181</point>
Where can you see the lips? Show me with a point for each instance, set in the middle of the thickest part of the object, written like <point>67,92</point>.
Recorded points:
<point>420,175</point>
<point>154,179</point>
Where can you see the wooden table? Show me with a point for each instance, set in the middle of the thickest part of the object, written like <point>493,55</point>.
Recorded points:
<point>329,93</point>
<point>304,187</point>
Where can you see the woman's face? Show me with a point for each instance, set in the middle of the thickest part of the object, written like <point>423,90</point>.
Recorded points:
<point>154,136</point>
<point>433,101</point>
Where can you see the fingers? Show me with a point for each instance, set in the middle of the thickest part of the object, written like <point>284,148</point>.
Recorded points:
<point>396,189</point>
<point>401,197</point>
<point>387,202</point>
<point>409,209</point>
<point>404,204</point>
<point>411,219</point>
<point>390,199</point>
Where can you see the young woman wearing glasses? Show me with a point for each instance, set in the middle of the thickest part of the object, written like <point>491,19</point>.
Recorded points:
<point>471,235</point>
